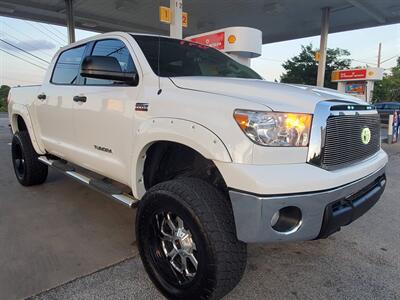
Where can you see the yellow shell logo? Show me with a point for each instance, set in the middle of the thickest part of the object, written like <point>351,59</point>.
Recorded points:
<point>232,39</point>
<point>371,73</point>
<point>366,136</point>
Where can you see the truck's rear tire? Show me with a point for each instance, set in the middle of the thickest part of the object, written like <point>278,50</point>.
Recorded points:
<point>187,240</point>
<point>28,170</point>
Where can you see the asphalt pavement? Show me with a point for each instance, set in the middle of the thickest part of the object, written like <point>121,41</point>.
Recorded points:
<point>52,233</point>
<point>360,262</point>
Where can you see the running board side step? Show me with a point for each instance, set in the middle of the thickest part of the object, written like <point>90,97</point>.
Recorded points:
<point>96,184</point>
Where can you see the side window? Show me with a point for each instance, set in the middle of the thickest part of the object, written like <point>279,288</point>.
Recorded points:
<point>67,66</point>
<point>113,48</point>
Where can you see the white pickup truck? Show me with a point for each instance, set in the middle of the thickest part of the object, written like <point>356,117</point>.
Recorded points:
<point>213,156</point>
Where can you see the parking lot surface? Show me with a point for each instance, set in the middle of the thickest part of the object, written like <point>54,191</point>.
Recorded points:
<point>62,231</point>
<point>55,232</point>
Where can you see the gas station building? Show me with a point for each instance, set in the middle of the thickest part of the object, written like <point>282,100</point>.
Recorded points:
<point>363,264</point>
<point>247,24</point>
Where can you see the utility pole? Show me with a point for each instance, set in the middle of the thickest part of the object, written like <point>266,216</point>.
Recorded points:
<point>379,55</point>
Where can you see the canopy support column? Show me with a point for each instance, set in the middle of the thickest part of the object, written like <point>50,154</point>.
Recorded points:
<point>176,19</point>
<point>323,46</point>
<point>70,21</point>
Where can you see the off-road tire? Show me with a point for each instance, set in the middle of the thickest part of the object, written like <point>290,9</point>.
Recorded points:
<point>33,172</point>
<point>222,258</point>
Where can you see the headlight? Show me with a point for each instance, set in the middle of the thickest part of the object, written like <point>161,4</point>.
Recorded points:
<point>275,128</point>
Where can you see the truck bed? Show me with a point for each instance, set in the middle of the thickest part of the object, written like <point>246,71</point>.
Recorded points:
<point>24,95</point>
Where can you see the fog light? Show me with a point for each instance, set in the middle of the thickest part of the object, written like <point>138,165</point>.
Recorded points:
<point>287,220</point>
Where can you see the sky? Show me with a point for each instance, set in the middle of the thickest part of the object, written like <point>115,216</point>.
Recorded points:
<point>362,44</point>
<point>43,40</point>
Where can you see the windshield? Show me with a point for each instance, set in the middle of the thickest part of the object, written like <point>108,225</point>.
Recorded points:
<point>184,58</point>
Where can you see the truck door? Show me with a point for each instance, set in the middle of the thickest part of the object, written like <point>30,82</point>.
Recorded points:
<point>54,103</point>
<point>104,116</point>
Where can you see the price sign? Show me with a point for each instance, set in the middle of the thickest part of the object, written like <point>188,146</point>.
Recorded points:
<point>165,16</point>
<point>185,19</point>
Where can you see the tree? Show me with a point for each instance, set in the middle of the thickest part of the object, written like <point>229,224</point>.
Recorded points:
<point>303,68</point>
<point>4,90</point>
<point>388,89</point>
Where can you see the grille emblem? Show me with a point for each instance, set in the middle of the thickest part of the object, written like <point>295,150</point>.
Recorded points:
<point>366,135</point>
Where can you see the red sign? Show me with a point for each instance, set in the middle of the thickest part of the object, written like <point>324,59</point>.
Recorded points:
<point>215,40</point>
<point>353,74</point>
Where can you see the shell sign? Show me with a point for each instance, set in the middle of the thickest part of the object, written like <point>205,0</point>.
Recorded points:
<point>232,39</point>
<point>241,43</point>
<point>357,74</point>
<point>215,40</point>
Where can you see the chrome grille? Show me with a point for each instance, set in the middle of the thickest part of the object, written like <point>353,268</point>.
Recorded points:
<point>343,143</point>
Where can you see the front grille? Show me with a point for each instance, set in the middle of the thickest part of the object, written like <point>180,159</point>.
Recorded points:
<point>343,139</point>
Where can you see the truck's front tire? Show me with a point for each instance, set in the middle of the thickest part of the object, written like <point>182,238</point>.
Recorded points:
<point>28,170</point>
<point>187,240</point>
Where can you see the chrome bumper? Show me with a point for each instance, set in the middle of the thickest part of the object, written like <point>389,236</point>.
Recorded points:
<point>316,212</point>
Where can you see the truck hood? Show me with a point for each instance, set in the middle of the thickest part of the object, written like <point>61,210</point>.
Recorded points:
<point>276,96</point>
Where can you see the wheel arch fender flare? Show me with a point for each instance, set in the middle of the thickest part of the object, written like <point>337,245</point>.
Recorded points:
<point>19,110</point>
<point>185,132</point>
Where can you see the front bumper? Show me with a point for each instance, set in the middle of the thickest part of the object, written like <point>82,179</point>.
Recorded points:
<point>321,213</point>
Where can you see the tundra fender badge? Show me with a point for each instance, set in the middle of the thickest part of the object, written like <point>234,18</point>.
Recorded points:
<point>140,106</point>
<point>104,149</point>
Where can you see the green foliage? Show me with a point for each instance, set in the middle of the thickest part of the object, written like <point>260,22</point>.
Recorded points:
<point>388,89</point>
<point>302,69</point>
<point>4,90</point>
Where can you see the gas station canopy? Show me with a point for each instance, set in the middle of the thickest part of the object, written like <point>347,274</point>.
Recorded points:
<point>278,20</point>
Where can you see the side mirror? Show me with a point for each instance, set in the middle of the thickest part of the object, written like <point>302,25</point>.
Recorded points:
<point>106,67</point>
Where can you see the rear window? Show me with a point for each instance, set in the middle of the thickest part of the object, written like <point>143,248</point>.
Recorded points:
<point>68,65</point>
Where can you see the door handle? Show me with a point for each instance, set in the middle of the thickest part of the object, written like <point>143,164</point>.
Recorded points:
<point>42,96</point>
<point>80,98</point>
